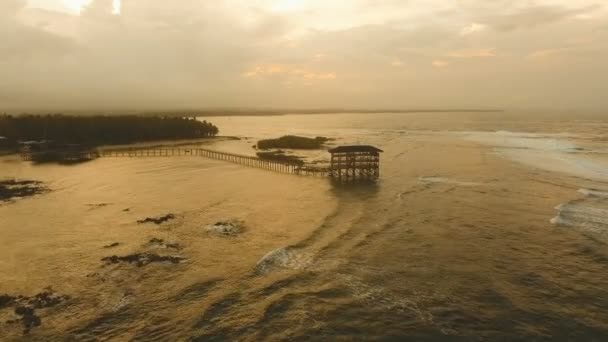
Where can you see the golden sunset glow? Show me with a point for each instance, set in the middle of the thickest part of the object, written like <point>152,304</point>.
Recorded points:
<point>75,5</point>
<point>291,170</point>
<point>116,6</point>
<point>288,5</point>
<point>296,52</point>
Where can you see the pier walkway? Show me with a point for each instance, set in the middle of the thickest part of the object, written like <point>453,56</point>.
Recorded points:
<point>272,165</point>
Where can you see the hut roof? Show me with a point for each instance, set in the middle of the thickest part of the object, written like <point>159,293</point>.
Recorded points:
<point>355,148</point>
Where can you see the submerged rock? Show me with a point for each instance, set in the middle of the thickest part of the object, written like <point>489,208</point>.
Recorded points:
<point>46,299</point>
<point>157,220</point>
<point>280,156</point>
<point>112,245</point>
<point>142,259</point>
<point>28,318</point>
<point>6,300</point>
<point>98,205</point>
<point>162,244</point>
<point>11,189</point>
<point>26,307</point>
<point>226,228</point>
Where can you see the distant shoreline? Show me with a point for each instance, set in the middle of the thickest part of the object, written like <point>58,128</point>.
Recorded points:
<point>281,112</point>
<point>251,112</point>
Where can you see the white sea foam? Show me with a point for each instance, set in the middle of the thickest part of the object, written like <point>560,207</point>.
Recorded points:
<point>225,228</point>
<point>544,142</point>
<point>550,152</point>
<point>435,179</point>
<point>586,215</point>
<point>594,193</point>
<point>379,296</point>
<point>285,257</point>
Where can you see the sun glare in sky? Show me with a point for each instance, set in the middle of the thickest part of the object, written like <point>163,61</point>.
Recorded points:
<point>76,6</point>
<point>116,6</point>
<point>287,5</point>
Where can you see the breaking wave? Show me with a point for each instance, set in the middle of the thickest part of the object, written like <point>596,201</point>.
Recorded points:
<point>594,193</point>
<point>589,214</point>
<point>435,179</point>
<point>563,153</point>
<point>282,258</point>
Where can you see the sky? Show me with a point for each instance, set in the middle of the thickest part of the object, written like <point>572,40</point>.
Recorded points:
<point>400,54</point>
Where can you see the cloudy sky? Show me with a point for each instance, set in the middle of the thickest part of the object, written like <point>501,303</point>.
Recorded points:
<point>160,54</point>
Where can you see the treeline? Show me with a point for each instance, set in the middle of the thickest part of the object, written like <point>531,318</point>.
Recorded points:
<point>293,142</point>
<point>102,130</point>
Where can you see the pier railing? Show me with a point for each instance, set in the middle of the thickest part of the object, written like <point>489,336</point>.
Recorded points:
<point>272,165</point>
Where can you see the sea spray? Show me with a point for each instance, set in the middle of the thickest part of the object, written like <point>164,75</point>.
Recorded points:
<point>594,193</point>
<point>588,214</point>
<point>284,257</point>
<point>435,179</point>
<point>226,228</point>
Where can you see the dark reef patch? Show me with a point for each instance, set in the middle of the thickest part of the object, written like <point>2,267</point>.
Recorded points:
<point>28,318</point>
<point>142,259</point>
<point>280,156</point>
<point>112,245</point>
<point>157,220</point>
<point>25,307</point>
<point>12,189</point>
<point>98,205</point>
<point>6,300</point>
<point>226,228</point>
<point>155,242</point>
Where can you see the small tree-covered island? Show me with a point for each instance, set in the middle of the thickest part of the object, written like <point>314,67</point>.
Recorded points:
<point>292,142</point>
<point>52,133</point>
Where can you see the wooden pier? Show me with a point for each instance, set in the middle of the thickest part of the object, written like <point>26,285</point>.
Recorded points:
<point>348,163</point>
<point>272,165</point>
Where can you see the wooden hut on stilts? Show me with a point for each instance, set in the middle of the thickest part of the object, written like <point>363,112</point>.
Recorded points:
<point>355,162</point>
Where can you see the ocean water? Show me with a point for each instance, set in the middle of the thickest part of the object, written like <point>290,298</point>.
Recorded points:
<point>483,226</point>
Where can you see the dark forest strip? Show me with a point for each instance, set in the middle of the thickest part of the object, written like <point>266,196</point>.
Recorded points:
<point>102,130</point>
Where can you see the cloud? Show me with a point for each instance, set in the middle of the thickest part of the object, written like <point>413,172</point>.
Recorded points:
<point>293,72</point>
<point>319,57</point>
<point>438,63</point>
<point>153,54</point>
<point>475,53</point>
<point>10,7</point>
<point>472,28</point>
<point>397,63</point>
<point>535,16</point>
<point>541,54</point>
<point>189,54</point>
<point>22,42</point>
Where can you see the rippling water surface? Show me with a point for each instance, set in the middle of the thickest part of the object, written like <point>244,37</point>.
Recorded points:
<point>482,227</point>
